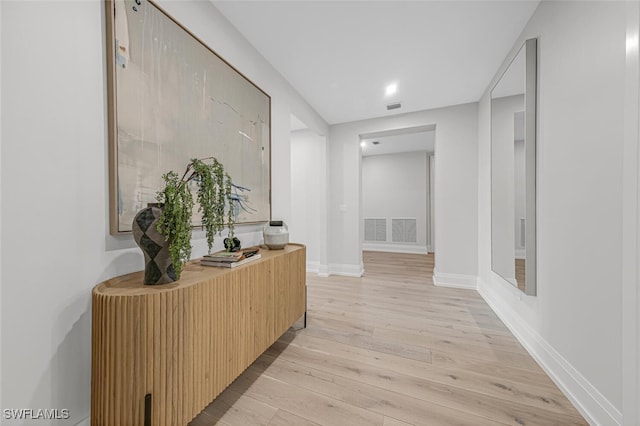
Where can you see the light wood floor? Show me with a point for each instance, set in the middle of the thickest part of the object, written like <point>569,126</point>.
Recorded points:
<point>390,349</point>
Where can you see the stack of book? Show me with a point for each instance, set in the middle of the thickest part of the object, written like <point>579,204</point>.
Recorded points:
<point>230,259</point>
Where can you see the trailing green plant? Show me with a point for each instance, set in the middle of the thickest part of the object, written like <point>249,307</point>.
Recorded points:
<point>214,194</point>
<point>214,200</point>
<point>175,221</point>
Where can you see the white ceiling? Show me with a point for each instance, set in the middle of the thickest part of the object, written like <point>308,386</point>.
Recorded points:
<point>340,55</point>
<point>396,141</point>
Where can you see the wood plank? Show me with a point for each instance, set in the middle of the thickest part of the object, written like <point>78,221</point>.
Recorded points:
<point>470,336</point>
<point>371,398</point>
<point>435,385</point>
<point>457,345</point>
<point>204,419</point>
<point>391,349</point>
<point>237,409</point>
<point>388,421</point>
<point>472,376</point>
<point>285,418</point>
<point>303,403</point>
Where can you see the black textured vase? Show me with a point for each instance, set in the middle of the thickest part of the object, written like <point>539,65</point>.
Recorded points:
<point>158,268</point>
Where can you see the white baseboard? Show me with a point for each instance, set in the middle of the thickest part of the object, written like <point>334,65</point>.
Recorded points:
<point>395,248</point>
<point>346,270</point>
<point>595,408</point>
<point>315,267</point>
<point>467,282</point>
<point>323,270</point>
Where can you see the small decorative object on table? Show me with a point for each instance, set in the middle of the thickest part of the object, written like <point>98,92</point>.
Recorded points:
<point>231,259</point>
<point>276,235</point>
<point>158,268</point>
<point>232,244</point>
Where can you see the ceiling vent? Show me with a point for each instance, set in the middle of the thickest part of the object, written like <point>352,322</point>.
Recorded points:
<point>394,106</point>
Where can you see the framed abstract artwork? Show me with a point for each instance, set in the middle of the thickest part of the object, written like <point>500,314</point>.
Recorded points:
<point>171,98</point>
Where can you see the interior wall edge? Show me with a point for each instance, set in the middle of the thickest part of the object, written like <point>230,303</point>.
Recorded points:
<point>346,270</point>
<point>631,223</point>
<point>461,281</point>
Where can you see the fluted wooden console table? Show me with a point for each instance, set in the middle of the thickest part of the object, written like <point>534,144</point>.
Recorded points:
<point>161,354</point>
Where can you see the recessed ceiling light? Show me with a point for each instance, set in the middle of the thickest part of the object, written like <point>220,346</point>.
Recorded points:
<point>391,89</point>
<point>363,144</point>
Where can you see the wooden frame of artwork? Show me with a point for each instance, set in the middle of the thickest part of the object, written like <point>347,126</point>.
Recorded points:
<point>171,99</point>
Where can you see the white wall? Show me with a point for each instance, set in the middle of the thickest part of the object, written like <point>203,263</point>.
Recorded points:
<point>55,243</point>
<point>455,190</point>
<point>573,326</point>
<point>308,223</point>
<point>395,186</point>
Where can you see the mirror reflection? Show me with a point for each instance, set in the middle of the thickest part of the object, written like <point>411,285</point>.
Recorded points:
<point>513,120</point>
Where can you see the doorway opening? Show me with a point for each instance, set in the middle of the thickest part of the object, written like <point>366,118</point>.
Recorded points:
<point>397,203</point>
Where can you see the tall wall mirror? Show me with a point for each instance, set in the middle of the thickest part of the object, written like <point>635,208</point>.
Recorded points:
<point>513,171</point>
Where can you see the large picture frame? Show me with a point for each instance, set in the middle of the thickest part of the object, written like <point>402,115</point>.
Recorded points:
<point>171,98</point>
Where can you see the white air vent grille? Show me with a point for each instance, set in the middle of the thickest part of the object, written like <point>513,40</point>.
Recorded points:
<point>403,230</point>
<point>375,229</point>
